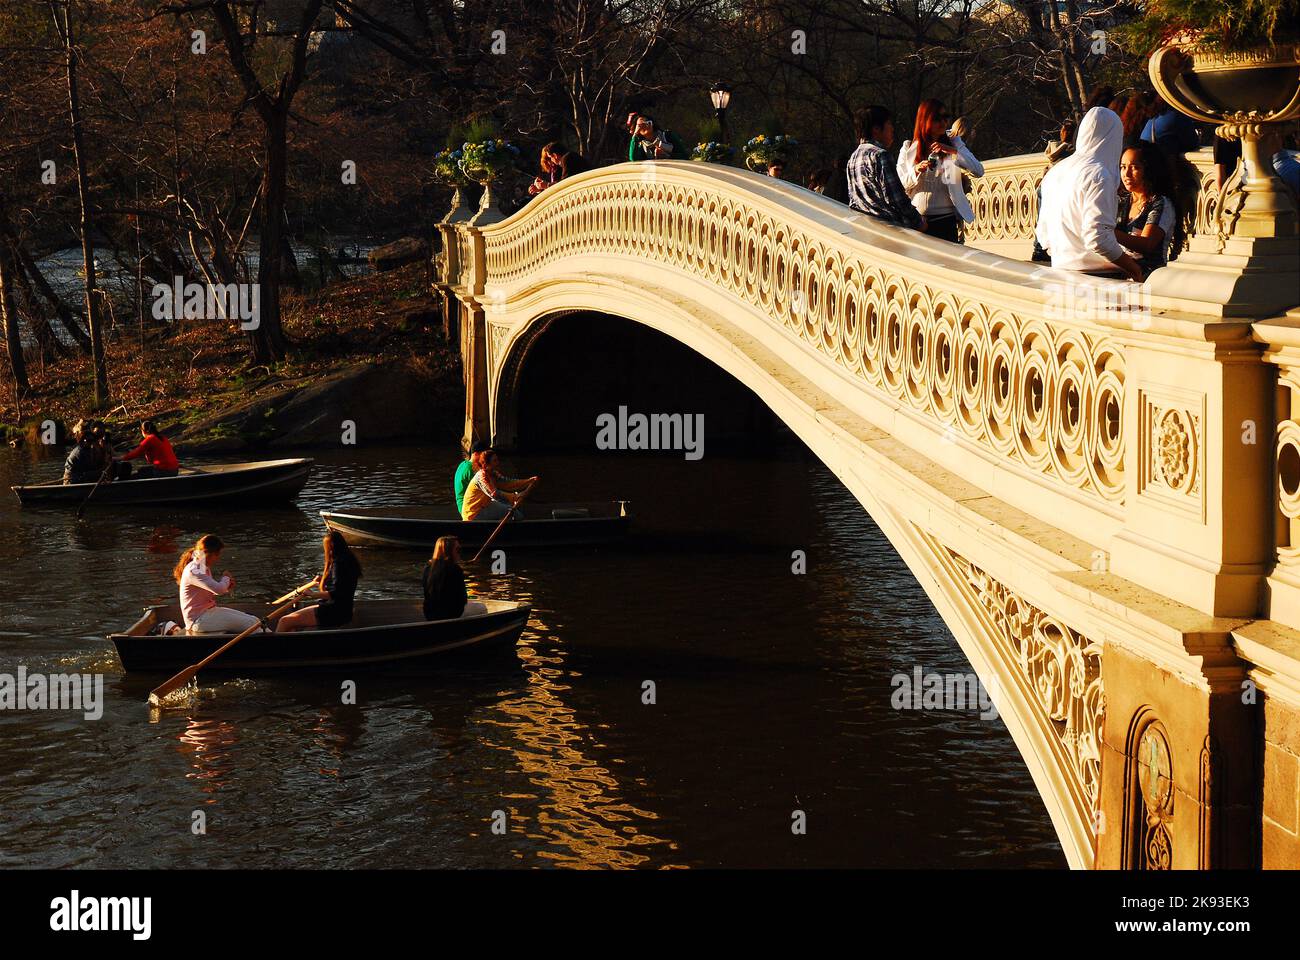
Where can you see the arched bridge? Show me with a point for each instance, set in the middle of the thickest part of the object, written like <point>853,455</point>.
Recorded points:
<point>1097,484</point>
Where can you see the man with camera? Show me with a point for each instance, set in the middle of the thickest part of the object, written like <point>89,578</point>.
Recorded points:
<point>650,142</point>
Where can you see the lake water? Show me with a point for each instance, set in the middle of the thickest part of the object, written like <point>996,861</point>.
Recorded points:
<point>773,693</point>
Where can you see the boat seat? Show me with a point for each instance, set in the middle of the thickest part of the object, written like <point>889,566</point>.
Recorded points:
<point>570,513</point>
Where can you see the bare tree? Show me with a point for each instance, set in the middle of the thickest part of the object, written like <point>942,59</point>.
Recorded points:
<point>61,11</point>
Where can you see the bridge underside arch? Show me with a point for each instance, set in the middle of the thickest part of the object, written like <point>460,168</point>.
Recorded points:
<point>990,589</point>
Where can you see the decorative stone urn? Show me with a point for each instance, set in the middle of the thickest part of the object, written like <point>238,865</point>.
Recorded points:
<point>1243,92</point>
<point>487,208</point>
<point>1251,266</point>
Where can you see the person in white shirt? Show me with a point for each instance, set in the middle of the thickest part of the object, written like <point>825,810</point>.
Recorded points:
<point>1080,202</point>
<point>199,591</point>
<point>930,167</point>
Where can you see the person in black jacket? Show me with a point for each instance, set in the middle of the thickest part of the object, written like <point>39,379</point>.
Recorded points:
<point>445,597</point>
<point>337,584</point>
<point>81,466</point>
<point>92,457</point>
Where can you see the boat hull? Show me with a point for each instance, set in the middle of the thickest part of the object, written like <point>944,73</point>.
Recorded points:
<point>605,523</point>
<point>365,643</point>
<point>249,484</point>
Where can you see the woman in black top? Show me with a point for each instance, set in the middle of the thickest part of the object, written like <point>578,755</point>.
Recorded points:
<point>445,597</point>
<point>337,585</point>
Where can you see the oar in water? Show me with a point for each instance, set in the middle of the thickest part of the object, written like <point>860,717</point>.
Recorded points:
<point>189,673</point>
<point>510,513</point>
<point>98,483</point>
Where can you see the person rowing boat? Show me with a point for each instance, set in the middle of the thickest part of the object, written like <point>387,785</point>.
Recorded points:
<point>91,457</point>
<point>491,495</point>
<point>160,458</point>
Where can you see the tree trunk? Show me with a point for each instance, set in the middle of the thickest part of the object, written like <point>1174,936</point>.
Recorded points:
<point>67,320</point>
<point>52,347</point>
<point>13,337</point>
<point>267,339</point>
<point>83,194</point>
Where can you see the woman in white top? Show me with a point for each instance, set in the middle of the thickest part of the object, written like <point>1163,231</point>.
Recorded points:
<point>199,591</point>
<point>930,166</point>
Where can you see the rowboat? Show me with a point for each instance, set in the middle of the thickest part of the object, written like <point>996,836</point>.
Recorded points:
<point>543,525</point>
<point>382,632</point>
<point>259,482</point>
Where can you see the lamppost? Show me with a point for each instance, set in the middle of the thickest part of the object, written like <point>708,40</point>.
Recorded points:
<point>720,94</point>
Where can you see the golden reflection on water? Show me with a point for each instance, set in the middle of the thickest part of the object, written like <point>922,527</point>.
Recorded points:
<point>207,743</point>
<point>581,815</point>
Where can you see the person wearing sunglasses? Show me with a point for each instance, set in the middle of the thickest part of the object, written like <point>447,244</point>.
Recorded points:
<point>930,166</point>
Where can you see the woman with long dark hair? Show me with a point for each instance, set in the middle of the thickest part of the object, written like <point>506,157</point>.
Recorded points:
<point>1150,218</point>
<point>445,596</point>
<point>930,167</point>
<point>337,586</point>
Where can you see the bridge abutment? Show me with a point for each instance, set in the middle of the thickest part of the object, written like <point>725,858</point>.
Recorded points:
<point>1179,765</point>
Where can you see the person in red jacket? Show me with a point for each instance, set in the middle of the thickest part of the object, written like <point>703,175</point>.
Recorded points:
<point>157,451</point>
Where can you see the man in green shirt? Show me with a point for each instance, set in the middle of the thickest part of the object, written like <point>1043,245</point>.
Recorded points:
<point>464,474</point>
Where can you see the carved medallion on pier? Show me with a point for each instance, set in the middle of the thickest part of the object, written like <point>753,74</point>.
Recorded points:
<point>1171,464</point>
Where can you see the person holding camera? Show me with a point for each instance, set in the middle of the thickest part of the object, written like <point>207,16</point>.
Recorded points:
<point>930,167</point>
<point>651,142</point>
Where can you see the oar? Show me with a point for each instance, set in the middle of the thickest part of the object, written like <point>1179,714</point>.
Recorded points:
<point>98,483</point>
<point>510,513</point>
<point>185,676</point>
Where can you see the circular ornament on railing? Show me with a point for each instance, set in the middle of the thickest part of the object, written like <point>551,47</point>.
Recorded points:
<point>1288,468</point>
<point>1173,449</point>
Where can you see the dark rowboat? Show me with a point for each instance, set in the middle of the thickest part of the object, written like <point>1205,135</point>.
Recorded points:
<point>382,632</point>
<point>260,482</point>
<point>544,525</point>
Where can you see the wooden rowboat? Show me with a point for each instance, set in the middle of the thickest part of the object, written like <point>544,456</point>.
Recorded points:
<point>382,632</point>
<point>263,481</point>
<point>543,525</point>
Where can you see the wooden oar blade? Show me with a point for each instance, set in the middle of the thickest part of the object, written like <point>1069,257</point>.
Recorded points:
<point>182,679</point>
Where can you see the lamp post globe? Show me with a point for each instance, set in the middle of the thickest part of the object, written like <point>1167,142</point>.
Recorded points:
<point>720,94</point>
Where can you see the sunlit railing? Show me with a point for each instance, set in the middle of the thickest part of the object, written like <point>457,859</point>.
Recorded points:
<point>967,341</point>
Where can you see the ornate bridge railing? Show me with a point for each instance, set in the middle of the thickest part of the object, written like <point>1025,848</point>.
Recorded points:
<point>996,359</point>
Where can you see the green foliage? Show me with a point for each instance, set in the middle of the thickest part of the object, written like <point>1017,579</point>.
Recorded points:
<point>480,129</point>
<point>1224,24</point>
<point>709,131</point>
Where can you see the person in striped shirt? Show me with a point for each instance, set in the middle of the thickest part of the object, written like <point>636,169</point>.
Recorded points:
<point>874,187</point>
